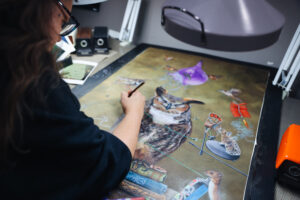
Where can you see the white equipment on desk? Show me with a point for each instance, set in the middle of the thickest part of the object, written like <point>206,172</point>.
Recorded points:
<point>290,65</point>
<point>129,21</point>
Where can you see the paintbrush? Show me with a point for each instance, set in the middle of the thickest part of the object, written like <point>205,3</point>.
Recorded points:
<point>131,92</point>
<point>122,116</point>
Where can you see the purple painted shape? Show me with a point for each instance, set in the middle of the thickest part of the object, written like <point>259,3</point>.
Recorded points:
<point>191,75</point>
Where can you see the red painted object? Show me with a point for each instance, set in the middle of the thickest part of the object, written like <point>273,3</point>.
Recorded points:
<point>239,110</point>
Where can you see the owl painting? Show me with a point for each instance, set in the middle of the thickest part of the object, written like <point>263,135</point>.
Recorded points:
<point>165,126</point>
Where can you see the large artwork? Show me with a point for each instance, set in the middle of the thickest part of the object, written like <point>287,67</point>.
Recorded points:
<point>199,127</point>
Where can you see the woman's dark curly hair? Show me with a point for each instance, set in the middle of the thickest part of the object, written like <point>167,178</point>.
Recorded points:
<point>27,65</point>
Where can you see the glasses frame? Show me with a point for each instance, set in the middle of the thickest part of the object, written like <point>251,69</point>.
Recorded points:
<point>71,16</point>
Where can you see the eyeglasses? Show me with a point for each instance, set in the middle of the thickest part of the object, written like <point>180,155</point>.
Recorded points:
<point>69,26</point>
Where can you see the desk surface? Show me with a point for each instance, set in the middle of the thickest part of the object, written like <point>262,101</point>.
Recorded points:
<point>264,153</point>
<point>103,60</point>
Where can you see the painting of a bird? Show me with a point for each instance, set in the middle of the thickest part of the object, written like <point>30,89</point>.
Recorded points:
<point>165,126</point>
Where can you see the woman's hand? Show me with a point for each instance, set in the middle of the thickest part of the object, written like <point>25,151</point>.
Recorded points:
<point>133,105</point>
<point>129,128</point>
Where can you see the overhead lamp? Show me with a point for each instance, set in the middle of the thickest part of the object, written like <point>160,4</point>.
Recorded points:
<point>227,25</point>
<point>87,2</point>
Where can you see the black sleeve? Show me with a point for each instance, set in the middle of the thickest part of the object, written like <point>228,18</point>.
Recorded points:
<point>69,157</point>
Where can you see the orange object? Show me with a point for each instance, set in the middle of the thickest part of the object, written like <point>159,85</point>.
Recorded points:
<point>289,148</point>
<point>246,124</point>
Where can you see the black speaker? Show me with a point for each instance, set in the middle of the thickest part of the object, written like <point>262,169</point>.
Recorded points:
<point>100,40</point>
<point>84,42</point>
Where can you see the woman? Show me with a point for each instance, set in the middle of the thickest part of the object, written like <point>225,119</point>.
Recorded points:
<point>49,149</point>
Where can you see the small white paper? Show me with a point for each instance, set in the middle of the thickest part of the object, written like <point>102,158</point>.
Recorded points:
<point>78,72</point>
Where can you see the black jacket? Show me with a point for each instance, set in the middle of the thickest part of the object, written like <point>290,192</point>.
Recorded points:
<point>69,157</point>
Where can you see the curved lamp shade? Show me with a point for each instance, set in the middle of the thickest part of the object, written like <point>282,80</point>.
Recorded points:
<point>86,2</point>
<point>228,25</point>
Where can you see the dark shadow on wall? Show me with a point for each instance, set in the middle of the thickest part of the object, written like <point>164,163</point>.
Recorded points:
<point>295,90</point>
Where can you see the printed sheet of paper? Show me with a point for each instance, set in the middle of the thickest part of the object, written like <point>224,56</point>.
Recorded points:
<point>78,72</point>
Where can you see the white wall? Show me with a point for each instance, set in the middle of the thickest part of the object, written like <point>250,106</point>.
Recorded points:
<point>150,31</point>
<point>110,15</point>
